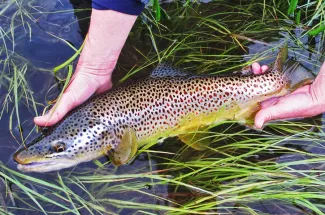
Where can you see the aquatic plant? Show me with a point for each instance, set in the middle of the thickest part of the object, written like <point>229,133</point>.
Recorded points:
<point>243,172</point>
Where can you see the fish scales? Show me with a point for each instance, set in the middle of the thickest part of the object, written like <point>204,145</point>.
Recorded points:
<point>166,104</point>
<point>154,105</point>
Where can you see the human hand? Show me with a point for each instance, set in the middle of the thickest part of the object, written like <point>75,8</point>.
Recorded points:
<point>84,83</point>
<point>106,37</point>
<point>306,101</point>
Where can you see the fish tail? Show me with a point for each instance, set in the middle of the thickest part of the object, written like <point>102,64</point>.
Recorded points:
<point>296,75</point>
<point>281,59</point>
<point>293,73</point>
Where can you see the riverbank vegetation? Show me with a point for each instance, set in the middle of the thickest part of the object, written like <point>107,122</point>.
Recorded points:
<point>279,170</point>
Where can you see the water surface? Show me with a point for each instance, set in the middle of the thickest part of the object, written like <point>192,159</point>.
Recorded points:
<point>35,47</point>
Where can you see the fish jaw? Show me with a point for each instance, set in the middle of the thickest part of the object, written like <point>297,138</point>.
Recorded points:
<point>46,166</point>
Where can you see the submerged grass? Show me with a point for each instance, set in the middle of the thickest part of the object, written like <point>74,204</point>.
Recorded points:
<point>279,169</point>
<point>226,181</point>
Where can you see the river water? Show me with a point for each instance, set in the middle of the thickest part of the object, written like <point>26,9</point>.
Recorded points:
<point>31,45</point>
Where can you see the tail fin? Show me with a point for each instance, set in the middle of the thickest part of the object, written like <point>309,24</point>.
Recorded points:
<point>281,59</point>
<point>297,75</point>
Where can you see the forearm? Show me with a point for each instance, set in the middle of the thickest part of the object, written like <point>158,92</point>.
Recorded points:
<point>107,34</point>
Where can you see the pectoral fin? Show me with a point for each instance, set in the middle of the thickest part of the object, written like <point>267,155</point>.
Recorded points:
<point>126,149</point>
<point>198,141</point>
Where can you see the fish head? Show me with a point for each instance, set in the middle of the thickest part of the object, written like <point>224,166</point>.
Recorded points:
<point>67,145</point>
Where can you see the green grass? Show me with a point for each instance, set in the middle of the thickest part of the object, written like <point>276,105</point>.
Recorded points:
<point>279,167</point>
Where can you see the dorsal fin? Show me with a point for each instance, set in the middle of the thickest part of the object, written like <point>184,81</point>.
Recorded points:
<point>164,70</point>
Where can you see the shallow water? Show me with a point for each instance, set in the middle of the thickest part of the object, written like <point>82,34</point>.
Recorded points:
<point>41,52</point>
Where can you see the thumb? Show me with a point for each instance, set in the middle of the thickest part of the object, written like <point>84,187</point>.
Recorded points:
<point>295,105</point>
<point>265,115</point>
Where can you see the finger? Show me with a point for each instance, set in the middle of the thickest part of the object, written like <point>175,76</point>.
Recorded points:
<point>72,97</point>
<point>56,113</point>
<point>269,102</point>
<point>304,89</point>
<point>264,68</point>
<point>293,106</point>
<point>256,68</point>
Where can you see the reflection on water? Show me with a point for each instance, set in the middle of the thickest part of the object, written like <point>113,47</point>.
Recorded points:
<point>41,52</point>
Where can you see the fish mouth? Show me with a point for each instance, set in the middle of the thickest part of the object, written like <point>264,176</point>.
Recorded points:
<point>34,166</point>
<point>24,148</point>
<point>45,166</point>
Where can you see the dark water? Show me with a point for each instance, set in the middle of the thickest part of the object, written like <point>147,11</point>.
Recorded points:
<point>41,52</point>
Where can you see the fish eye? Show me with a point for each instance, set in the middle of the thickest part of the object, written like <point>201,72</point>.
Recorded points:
<point>59,147</point>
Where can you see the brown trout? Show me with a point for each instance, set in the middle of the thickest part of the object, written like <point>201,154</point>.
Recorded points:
<point>166,104</point>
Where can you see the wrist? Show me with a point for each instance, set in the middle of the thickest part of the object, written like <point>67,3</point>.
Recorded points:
<point>107,34</point>
<point>91,61</point>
